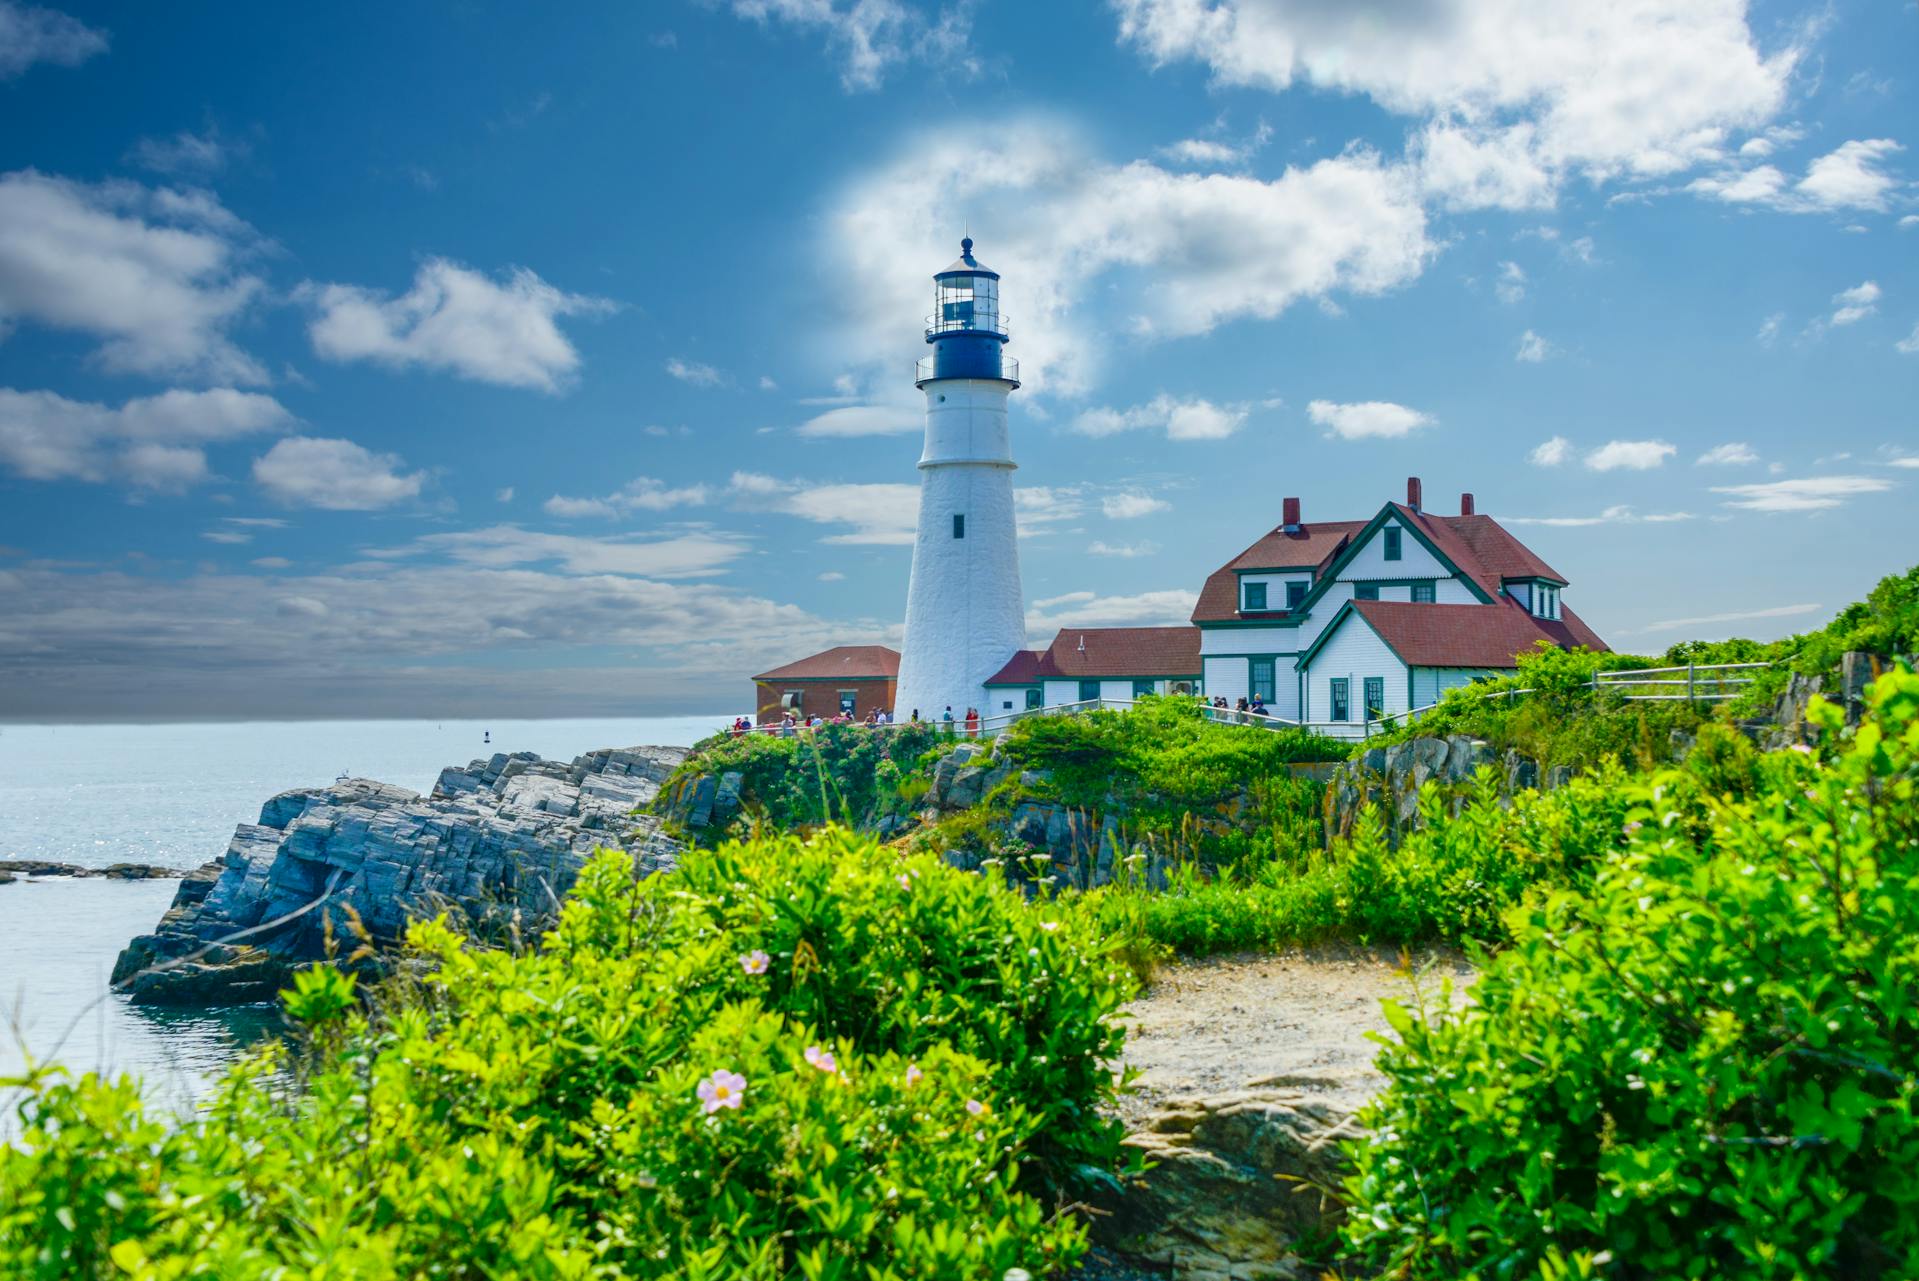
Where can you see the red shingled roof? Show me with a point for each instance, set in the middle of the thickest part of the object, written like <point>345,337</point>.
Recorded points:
<point>842,662</point>
<point>1021,669</point>
<point>1109,652</point>
<point>1482,548</point>
<point>1468,635</point>
<point>1314,545</point>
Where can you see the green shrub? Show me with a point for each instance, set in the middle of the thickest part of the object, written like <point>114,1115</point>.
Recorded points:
<point>793,1059</point>
<point>830,774</point>
<point>1704,1064</point>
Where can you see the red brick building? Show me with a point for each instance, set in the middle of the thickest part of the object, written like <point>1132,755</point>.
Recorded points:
<point>856,679</point>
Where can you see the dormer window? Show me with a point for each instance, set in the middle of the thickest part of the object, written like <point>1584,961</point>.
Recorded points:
<point>1295,593</point>
<point>1392,536</point>
<point>1255,597</point>
<point>1545,601</point>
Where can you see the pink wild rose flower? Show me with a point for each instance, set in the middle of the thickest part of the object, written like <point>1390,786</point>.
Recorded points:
<point>723,1089</point>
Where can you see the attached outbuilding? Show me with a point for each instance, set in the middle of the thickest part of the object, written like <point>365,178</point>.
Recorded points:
<point>854,679</point>
<point>1118,664</point>
<point>1378,659</point>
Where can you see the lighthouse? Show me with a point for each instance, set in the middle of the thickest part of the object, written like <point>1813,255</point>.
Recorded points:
<point>965,613</point>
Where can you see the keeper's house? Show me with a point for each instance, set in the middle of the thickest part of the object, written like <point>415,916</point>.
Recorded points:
<point>1351,621</point>
<point>855,679</point>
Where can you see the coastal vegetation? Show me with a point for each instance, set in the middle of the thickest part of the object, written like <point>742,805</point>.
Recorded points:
<point>792,1058</point>
<point>1702,1062</point>
<point>1692,1051</point>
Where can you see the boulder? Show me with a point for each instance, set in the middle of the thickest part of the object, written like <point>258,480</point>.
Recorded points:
<point>497,844</point>
<point>1233,1184</point>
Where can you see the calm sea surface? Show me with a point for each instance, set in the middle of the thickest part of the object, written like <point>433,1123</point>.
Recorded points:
<point>171,795</point>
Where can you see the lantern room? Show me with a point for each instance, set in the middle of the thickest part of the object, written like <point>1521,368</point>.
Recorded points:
<point>966,328</point>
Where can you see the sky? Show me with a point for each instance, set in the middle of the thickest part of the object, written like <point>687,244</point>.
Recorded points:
<point>464,360</point>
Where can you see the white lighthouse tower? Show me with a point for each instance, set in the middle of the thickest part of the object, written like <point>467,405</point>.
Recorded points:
<point>965,613</point>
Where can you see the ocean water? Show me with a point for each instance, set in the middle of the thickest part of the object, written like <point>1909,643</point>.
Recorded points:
<point>171,795</point>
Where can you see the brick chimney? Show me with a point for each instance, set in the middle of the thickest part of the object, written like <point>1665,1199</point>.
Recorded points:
<point>1465,504</point>
<point>1412,492</point>
<point>1291,522</point>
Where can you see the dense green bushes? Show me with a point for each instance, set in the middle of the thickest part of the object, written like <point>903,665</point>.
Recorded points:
<point>794,1059</point>
<point>1703,1064</point>
<point>828,774</point>
<point>1450,879</point>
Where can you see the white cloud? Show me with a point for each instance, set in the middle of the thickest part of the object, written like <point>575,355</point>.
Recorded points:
<point>883,515</point>
<point>504,495</point>
<point>1126,551</point>
<point>1036,507</point>
<point>1909,345</point>
<point>1633,455</point>
<point>151,272</point>
<point>271,562</point>
<point>413,635</point>
<point>1552,453</point>
<point>152,442</point>
<point>455,319</point>
<point>1769,330</point>
<point>865,420</point>
<point>1532,348</point>
<point>1856,303</point>
<point>1735,453</point>
<point>697,554</point>
<point>186,152</point>
<point>692,371</point>
<point>767,384</point>
<point>873,36</point>
<point>1128,506</point>
<point>1737,616</point>
<point>1366,418</point>
<point>1191,419</point>
<point>230,537</point>
<point>336,475</point>
<point>1908,222</point>
<point>1166,608</point>
<point>1616,515</point>
<point>758,484</point>
<point>642,493</point>
<point>1511,286</point>
<point>1514,94</point>
<point>1071,224</point>
<point>832,576</point>
<point>1851,177</point>
<point>1813,493</point>
<point>30,34</point>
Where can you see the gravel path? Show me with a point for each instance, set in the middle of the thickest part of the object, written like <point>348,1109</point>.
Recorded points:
<point>1296,1019</point>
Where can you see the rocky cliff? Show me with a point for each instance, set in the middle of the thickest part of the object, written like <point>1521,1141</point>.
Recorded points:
<point>497,843</point>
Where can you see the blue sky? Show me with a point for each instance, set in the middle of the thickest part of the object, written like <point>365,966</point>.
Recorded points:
<point>425,360</point>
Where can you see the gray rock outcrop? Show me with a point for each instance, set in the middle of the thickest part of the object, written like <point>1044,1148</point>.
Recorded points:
<point>497,843</point>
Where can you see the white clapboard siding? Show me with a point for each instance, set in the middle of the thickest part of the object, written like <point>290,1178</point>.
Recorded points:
<point>1355,651</point>
<point>1431,683</point>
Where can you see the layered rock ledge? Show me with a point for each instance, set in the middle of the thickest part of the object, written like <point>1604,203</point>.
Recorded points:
<point>497,844</point>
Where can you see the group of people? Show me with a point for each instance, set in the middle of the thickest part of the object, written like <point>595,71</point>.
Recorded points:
<point>1243,710</point>
<point>791,724</point>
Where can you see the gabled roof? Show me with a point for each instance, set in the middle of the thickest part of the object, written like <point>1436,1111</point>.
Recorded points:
<point>1480,636</point>
<point>842,662</point>
<point>1087,653</point>
<point>1312,546</point>
<point>1481,549</point>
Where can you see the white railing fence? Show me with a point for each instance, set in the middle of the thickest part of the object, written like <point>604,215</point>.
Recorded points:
<point>1700,683</point>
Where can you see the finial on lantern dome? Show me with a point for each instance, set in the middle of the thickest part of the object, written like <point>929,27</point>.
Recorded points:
<point>966,246</point>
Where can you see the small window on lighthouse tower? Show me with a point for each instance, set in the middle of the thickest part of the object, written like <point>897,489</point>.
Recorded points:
<point>959,525</point>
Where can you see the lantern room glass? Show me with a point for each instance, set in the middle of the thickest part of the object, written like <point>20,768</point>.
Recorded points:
<point>967,303</point>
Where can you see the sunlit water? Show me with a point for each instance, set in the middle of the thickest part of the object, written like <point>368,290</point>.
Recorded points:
<point>171,795</point>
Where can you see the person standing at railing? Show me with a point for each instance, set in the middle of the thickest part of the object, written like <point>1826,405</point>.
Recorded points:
<point>1259,706</point>
<point>972,722</point>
